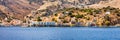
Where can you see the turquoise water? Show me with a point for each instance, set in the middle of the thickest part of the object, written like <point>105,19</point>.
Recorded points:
<point>54,33</point>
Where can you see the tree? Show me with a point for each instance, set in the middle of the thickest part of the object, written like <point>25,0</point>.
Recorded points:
<point>97,11</point>
<point>118,14</point>
<point>70,13</point>
<point>107,17</point>
<point>65,21</point>
<point>107,23</point>
<point>56,14</point>
<point>54,20</point>
<point>24,21</point>
<point>38,19</point>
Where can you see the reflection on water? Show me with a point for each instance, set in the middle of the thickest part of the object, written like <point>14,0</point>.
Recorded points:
<point>54,33</point>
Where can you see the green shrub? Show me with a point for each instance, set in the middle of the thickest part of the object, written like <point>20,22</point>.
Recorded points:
<point>107,23</point>
<point>79,16</point>
<point>107,17</point>
<point>65,21</point>
<point>88,10</point>
<point>88,18</point>
<point>38,19</point>
<point>24,21</point>
<point>56,14</point>
<point>118,14</point>
<point>72,15</point>
<point>69,13</point>
<point>97,11</point>
<point>54,20</point>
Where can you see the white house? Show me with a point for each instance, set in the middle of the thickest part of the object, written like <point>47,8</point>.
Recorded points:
<point>42,23</point>
<point>107,12</point>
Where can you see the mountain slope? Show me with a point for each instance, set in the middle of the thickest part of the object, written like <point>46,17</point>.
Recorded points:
<point>16,8</point>
<point>112,3</point>
<point>21,8</point>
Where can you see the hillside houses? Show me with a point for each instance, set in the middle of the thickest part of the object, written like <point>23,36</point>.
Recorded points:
<point>73,13</point>
<point>35,23</point>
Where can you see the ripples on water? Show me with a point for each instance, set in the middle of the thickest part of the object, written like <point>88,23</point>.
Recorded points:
<point>57,33</point>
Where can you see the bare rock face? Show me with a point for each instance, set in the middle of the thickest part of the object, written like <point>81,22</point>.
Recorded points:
<point>48,4</point>
<point>16,8</point>
<point>112,3</point>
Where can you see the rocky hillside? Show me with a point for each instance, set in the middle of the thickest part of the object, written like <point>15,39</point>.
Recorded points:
<point>16,8</point>
<point>112,3</point>
<point>21,8</point>
<point>106,16</point>
<point>97,12</point>
<point>51,6</point>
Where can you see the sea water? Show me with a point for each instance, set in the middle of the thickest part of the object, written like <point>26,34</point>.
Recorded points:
<point>59,33</point>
